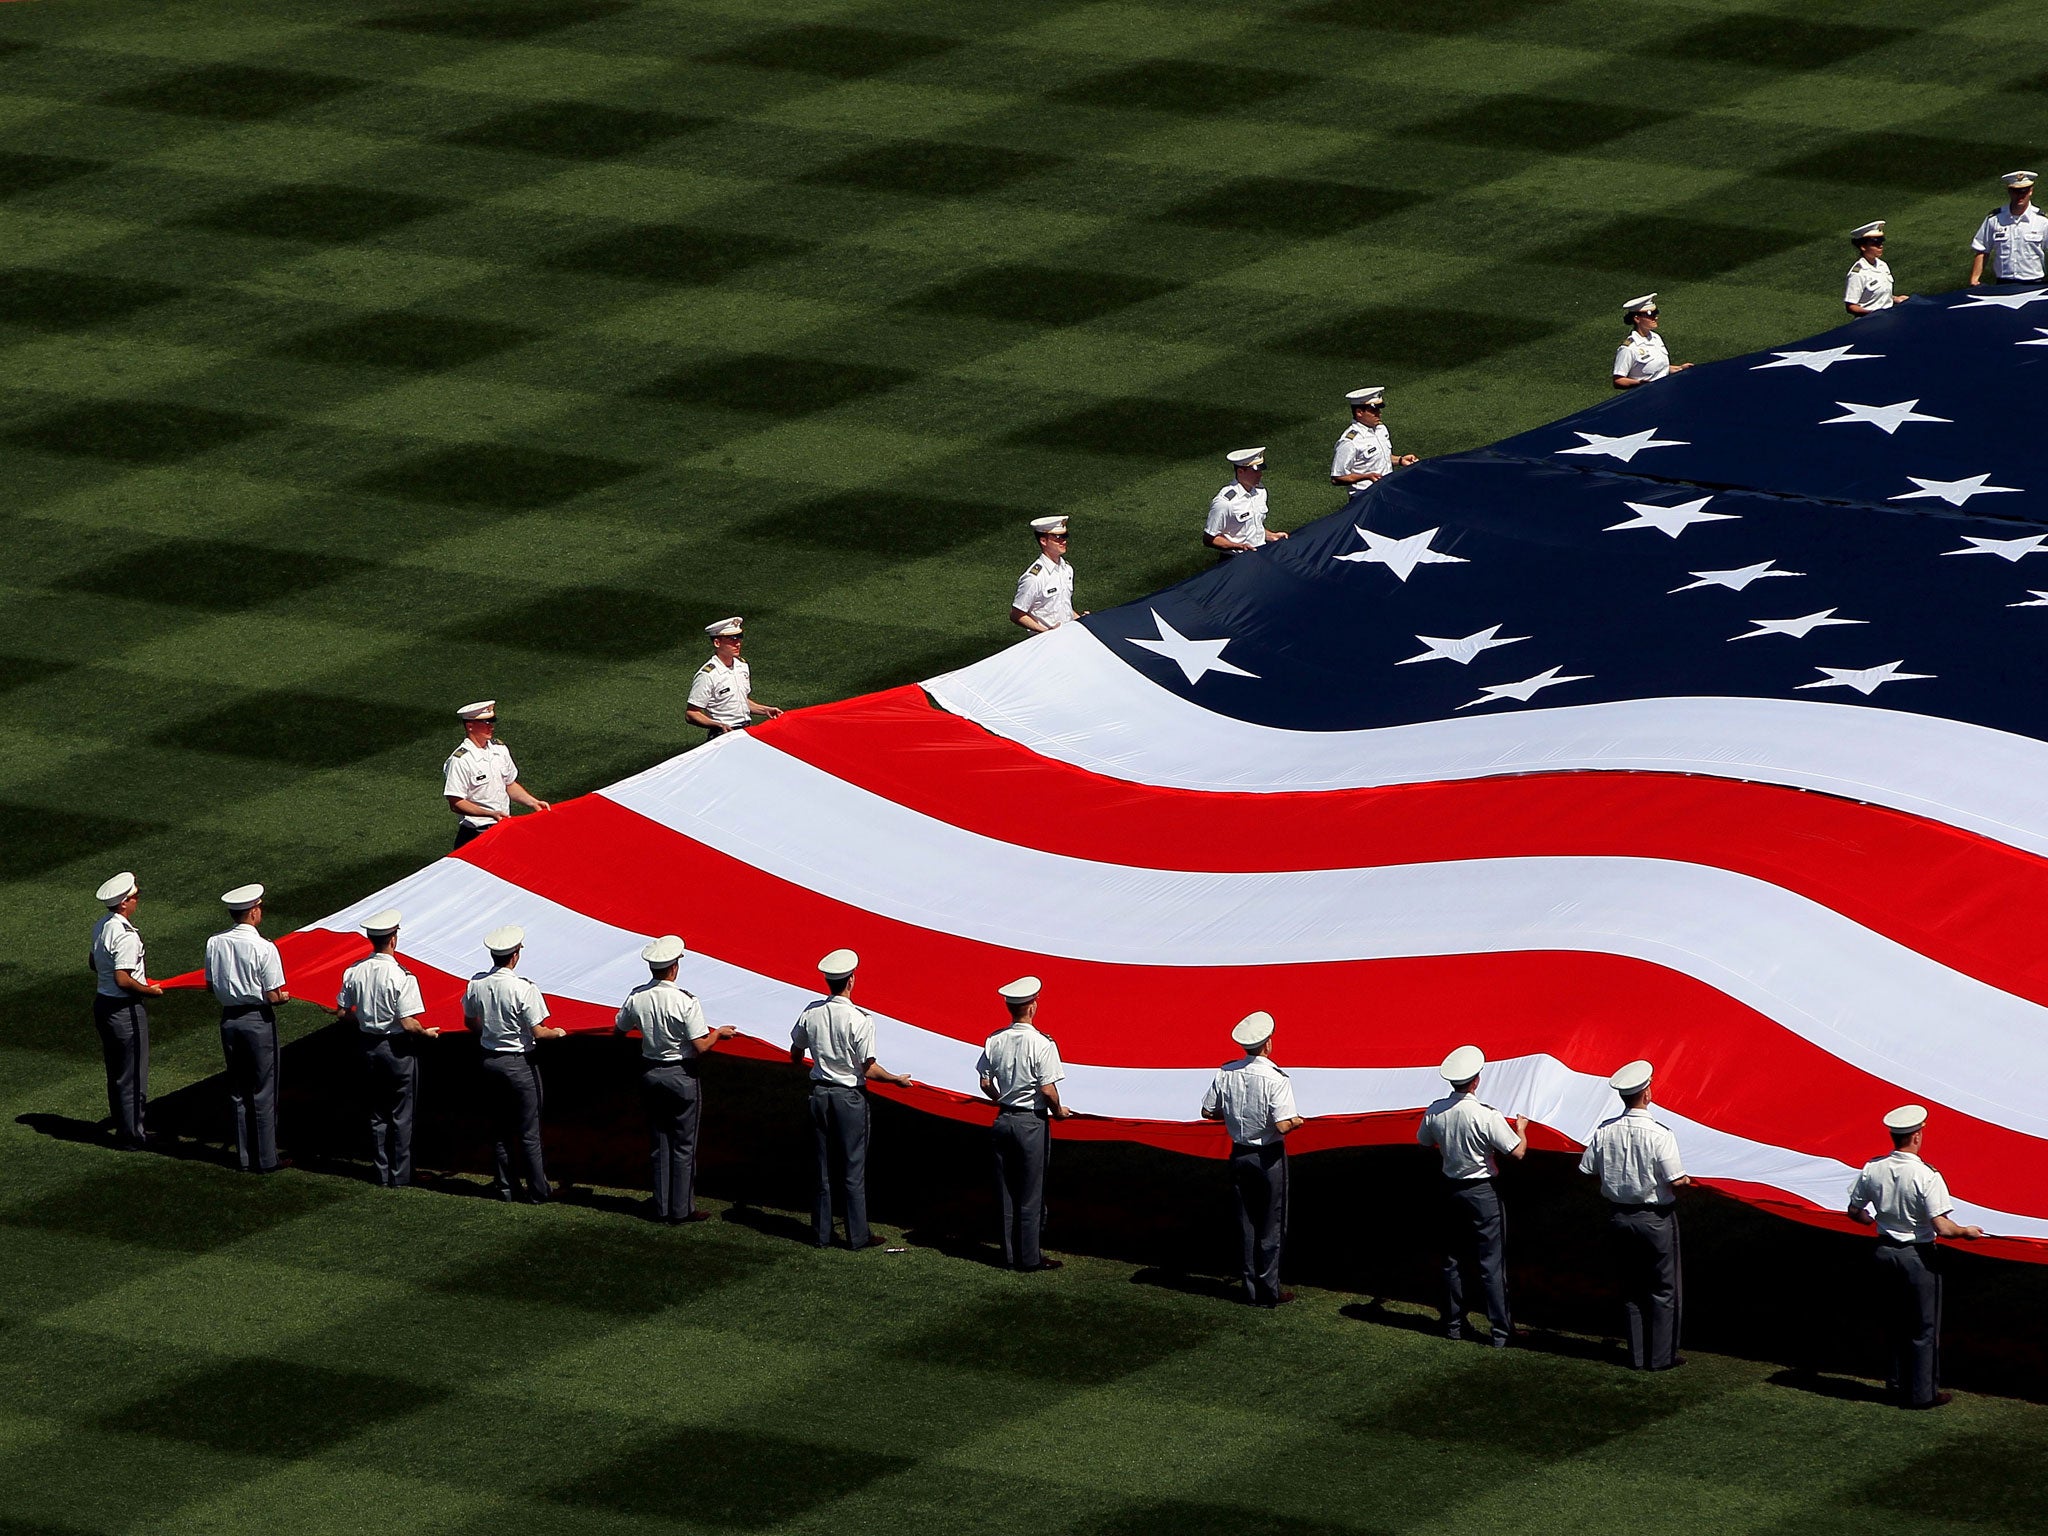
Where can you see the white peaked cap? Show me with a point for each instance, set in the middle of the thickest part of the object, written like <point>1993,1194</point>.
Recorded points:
<point>1022,990</point>
<point>1371,395</point>
<point>840,964</point>
<point>725,627</point>
<point>1865,231</point>
<point>1635,304</point>
<point>381,923</point>
<point>242,897</point>
<point>482,709</point>
<point>1907,1117</point>
<point>502,941</point>
<point>1253,1029</point>
<point>664,951</point>
<point>1463,1064</point>
<point>115,891</point>
<point>1633,1078</point>
<point>1246,456</point>
<point>2020,178</point>
<point>1048,525</point>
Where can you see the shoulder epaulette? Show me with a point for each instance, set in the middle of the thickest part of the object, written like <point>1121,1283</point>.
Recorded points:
<point>1231,494</point>
<point>707,666</point>
<point>461,751</point>
<point>1037,569</point>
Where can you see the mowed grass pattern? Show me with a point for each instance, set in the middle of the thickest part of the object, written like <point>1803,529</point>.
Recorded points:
<point>357,361</point>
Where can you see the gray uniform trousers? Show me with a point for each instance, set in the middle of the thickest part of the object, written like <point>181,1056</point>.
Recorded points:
<point>1912,1317</point>
<point>123,1026</point>
<point>512,1082</point>
<point>1475,1234</point>
<point>1023,1142</point>
<point>1645,1241</point>
<point>391,1069</point>
<point>248,1040</point>
<point>839,1129</point>
<point>674,1102</point>
<point>1259,1175</point>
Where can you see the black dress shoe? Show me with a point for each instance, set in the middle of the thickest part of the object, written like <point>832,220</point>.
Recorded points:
<point>684,1221</point>
<point>1939,1400</point>
<point>1042,1266</point>
<point>872,1242</point>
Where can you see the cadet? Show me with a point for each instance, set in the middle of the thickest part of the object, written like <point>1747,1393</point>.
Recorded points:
<point>1045,593</point>
<point>1636,1161</point>
<point>1470,1135</point>
<point>1870,280</point>
<point>1255,1102</point>
<point>1237,514</point>
<point>506,1011</point>
<point>119,1014</point>
<point>246,976</point>
<point>1365,453</point>
<point>673,1037</point>
<point>1020,1073</point>
<point>2013,234</point>
<point>1908,1203</point>
<point>480,779</point>
<point>722,693</point>
<point>841,1041</point>
<point>1641,359</point>
<point>382,999</point>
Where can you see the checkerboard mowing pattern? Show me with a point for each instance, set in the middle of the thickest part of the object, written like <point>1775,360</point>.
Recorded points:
<point>359,360</point>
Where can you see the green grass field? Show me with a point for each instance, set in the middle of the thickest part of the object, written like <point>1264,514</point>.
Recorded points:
<point>359,360</point>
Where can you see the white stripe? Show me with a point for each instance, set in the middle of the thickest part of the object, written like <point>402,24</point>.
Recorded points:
<point>450,905</point>
<point>1861,997</point>
<point>1067,696</point>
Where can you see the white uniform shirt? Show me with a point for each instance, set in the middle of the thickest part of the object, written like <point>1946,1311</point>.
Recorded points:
<point>1468,1134</point>
<point>504,1007</point>
<point>670,1020</point>
<point>1254,1096</point>
<point>840,1038</point>
<point>1642,357</point>
<point>241,965</point>
<point>1239,514</point>
<point>1363,450</point>
<point>116,946</point>
<point>483,774</point>
<point>722,692</point>
<point>380,992</point>
<point>1635,1157</point>
<point>1046,591</point>
<point>1904,1194</point>
<point>2014,244</point>
<point>1020,1061</point>
<point>1870,284</point>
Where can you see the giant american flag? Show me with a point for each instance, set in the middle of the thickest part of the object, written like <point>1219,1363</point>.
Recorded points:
<point>1708,725</point>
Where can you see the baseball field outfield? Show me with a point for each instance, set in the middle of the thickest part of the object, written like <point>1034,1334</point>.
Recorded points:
<point>358,360</point>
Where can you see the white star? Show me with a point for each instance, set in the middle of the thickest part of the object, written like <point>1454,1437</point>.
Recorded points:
<point>2040,339</point>
<point>2003,300</point>
<point>1886,418</point>
<point>1400,556</point>
<point>1670,521</point>
<point>1460,651</point>
<point>1525,690</point>
<point>2040,600</point>
<point>1819,361</point>
<point>1624,448</point>
<point>1195,658</point>
<point>1737,579</point>
<point>1798,628</point>
<point>2014,550</point>
<point>1954,492</point>
<point>1868,680</point>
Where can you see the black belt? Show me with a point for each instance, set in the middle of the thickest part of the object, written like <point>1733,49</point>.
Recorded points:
<point>1018,1109</point>
<point>1646,1205</point>
<point>243,1010</point>
<point>1892,1242</point>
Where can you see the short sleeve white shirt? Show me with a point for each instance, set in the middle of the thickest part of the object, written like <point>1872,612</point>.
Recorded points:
<point>670,1020</point>
<point>1019,1062</point>
<point>1870,284</point>
<point>116,946</point>
<point>1635,1157</point>
<point>1642,357</point>
<point>1468,1134</point>
<point>2013,243</point>
<point>1236,513</point>
<point>840,1038</point>
<point>1904,1194</point>
<point>1046,591</point>
<point>1363,450</point>
<point>503,1007</point>
<point>722,692</point>
<point>1252,1096</point>
<point>381,993</point>
<point>241,965</point>
<point>483,774</point>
